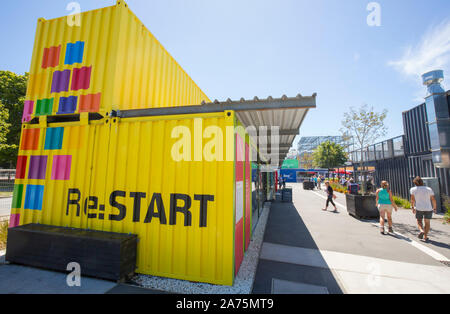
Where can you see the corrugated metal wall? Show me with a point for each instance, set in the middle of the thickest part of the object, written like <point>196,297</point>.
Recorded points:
<point>416,130</point>
<point>121,175</point>
<point>395,171</point>
<point>423,166</point>
<point>417,162</point>
<point>110,61</point>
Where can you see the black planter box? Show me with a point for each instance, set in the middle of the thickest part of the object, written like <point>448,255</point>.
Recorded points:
<point>362,206</point>
<point>308,185</point>
<point>104,255</point>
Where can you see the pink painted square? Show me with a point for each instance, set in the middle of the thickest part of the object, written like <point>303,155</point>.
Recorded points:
<point>28,108</point>
<point>61,167</point>
<point>14,220</point>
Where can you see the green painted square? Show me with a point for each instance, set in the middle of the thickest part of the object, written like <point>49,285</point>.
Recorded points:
<point>44,107</point>
<point>17,196</point>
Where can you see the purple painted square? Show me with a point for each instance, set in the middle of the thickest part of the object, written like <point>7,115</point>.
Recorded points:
<point>38,167</point>
<point>61,167</point>
<point>60,82</point>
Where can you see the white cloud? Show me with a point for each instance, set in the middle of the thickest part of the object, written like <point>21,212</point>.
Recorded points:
<point>431,53</point>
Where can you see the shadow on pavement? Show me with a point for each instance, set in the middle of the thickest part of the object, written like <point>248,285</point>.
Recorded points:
<point>286,227</point>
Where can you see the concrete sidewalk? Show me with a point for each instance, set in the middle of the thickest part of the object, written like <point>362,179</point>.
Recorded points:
<point>307,250</point>
<point>17,279</point>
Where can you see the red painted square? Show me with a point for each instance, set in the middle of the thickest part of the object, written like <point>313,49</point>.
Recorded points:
<point>51,57</point>
<point>90,103</point>
<point>21,167</point>
<point>81,78</point>
<point>30,139</point>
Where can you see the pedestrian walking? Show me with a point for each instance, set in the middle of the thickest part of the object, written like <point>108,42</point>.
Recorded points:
<point>330,197</point>
<point>385,203</point>
<point>284,183</point>
<point>319,182</point>
<point>423,203</point>
<point>315,182</point>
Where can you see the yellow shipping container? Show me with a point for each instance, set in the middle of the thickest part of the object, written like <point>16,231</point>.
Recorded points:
<point>172,180</point>
<point>103,60</point>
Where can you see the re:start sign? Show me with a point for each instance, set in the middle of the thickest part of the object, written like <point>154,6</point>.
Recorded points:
<point>156,209</point>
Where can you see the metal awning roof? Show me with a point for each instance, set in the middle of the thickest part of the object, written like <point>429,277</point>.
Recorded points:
<point>286,113</point>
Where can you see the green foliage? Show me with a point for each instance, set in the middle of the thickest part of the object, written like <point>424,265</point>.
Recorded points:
<point>3,234</point>
<point>13,88</point>
<point>447,207</point>
<point>401,202</point>
<point>329,155</point>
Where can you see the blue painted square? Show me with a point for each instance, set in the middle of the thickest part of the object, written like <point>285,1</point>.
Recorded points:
<point>74,53</point>
<point>54,138</point>
<point>67,105</point>
<point>34,197</point>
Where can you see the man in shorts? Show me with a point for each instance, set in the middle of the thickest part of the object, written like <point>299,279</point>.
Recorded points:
<point>423,204</point>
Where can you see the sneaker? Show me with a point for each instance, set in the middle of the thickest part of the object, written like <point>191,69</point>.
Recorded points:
<point>391,230</point>
<point>382,231</point>
<point>421,235</point>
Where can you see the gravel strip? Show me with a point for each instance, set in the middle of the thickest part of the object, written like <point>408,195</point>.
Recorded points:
<point>243,282</point>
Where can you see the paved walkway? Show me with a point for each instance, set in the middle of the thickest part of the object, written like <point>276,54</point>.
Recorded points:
<point>17,279</point>
<point>306,250</point>
<point>5,207</point>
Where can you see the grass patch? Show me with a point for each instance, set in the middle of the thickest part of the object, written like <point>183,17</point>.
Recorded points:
<point>3,234</point>
<point>401,202</point>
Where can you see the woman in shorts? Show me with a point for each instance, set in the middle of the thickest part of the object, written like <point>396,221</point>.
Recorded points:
<point>385,203</point>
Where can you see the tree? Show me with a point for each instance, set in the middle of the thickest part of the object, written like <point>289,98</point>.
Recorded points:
<point>307,160</point>
<point>329,155</point>
<point>13,88</point>
<point>365,126</point>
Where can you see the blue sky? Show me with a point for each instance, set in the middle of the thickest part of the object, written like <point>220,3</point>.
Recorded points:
<point>248,48</point>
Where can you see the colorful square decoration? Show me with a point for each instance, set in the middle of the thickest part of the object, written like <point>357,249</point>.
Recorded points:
<point>38,167</point>
<point>61,167</point>
<point>54,138</point>
<point>90,103</point>
<point>30,139</point>
<point>67,105</point>
<point>44,107</point>
<point>81,78</point>
<point>51,57</point>
<point>28,108</point>
<point>60,82</point>
<point>17,196</point>
<point>14,220</point>
<point>74,53</point>
<point>34,197</point>
<point>21,167</point>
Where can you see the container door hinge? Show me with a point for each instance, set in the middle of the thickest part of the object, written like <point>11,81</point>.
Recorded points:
<point>43,121</point>
<point>84,118</point>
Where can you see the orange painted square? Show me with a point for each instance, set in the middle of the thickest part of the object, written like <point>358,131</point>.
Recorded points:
<point>90,103</point>
<point>30,139</point>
